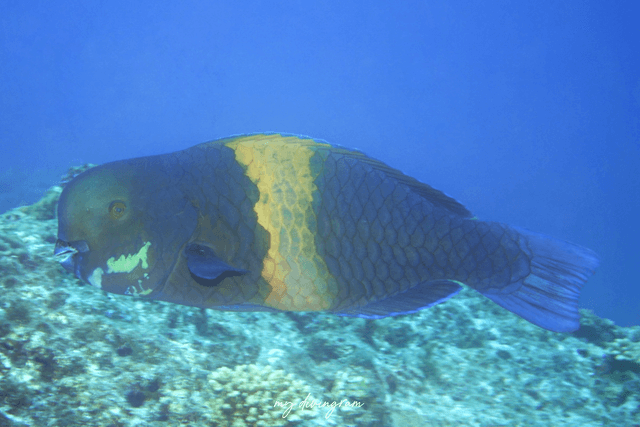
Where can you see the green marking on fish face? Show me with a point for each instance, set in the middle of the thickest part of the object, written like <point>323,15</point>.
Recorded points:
<point>126,264</point>
<point>134,292</point>
<point>96,278</point>
<point>143,292</point>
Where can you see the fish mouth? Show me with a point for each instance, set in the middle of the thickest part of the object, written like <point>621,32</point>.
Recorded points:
<point>69,255</point>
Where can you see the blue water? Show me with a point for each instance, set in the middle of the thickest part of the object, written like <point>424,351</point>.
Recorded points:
<point>528,114</point>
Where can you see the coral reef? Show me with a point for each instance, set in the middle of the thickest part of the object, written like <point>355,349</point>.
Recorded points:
<point>627,348</point>
<point>247,396</point>
<point>75,356</point>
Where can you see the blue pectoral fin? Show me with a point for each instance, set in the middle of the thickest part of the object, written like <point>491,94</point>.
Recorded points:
<point>548,296</point>
<point>206,268</point>
<point>419,297</point>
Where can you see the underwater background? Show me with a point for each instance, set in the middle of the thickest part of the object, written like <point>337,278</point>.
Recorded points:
<point>528,114</point>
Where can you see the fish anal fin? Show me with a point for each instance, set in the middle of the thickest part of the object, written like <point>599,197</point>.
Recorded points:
<point>417,298</point>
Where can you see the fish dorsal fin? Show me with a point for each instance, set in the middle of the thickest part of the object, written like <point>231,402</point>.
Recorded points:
<point>429,193</point>
<point>426,191</point>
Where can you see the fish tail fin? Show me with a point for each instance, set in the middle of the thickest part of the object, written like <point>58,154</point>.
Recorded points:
<point>548,295</point>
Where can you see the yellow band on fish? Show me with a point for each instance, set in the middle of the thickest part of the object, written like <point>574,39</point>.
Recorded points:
<point>126,264</point>
<point>298,276</point>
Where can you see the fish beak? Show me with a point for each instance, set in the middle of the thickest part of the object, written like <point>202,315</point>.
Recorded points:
<point>67,253</point>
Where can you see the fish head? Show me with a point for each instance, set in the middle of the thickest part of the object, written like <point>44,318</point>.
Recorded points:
<point>119,223</point>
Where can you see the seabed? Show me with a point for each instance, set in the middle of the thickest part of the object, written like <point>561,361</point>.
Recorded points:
<point>72,355</point>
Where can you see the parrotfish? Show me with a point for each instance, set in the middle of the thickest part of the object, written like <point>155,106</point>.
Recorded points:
<point>271,222</point>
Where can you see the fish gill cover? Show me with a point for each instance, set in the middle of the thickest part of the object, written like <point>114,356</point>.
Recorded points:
<point>71,355</point>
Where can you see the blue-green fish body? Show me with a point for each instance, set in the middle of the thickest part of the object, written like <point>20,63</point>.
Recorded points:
<point>284,223</point>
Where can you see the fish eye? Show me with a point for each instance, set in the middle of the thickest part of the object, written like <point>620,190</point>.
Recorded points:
<point>116,209</point>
